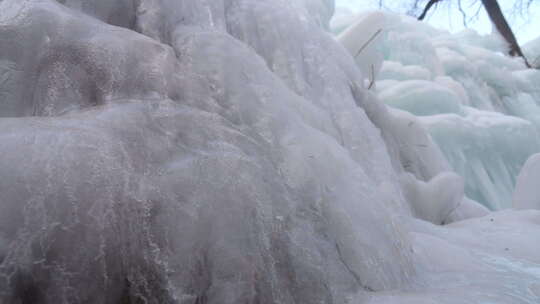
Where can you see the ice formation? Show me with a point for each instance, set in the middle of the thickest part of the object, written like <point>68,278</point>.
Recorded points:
<point>480,107</point>
<point>228,151</point>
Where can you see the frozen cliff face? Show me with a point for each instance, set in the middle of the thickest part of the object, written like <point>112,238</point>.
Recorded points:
<point>221,157</point>
<point>527,195</point>
<point>481,108</point>
<point>224,151</point>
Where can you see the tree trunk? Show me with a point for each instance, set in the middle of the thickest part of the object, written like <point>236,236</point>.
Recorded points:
<point>497,18</point>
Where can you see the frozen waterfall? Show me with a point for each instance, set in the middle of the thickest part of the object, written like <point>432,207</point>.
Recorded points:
<point>229,151</point>
<point>481,108</point>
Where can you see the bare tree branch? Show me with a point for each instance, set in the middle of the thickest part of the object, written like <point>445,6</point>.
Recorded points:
<point>463,14</point>
<point>372,81</point>
<point>427,8</point>
<point>368,42</point>
<point>495,14</point>
<point>477,12</point>
<point>499,21</point>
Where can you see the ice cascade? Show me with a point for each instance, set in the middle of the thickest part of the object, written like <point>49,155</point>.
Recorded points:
<point>482,108</point>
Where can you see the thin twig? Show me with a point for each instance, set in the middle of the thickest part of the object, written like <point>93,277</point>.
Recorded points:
<point>368,42</point>
<point>426,9</point>
<point>372,82</point>
<point>463,14</point>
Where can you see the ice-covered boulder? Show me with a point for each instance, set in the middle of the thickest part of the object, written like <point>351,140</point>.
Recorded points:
<point>73,69</point>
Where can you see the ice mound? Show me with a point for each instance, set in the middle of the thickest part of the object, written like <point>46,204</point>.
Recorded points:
<point>434,193</point>
<point>480,107</point>
<point>435,200</point>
